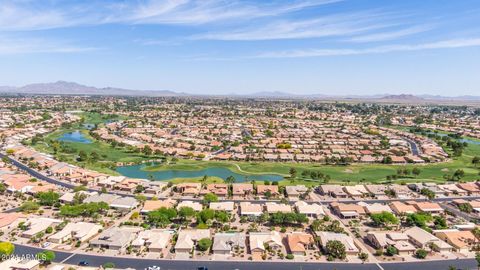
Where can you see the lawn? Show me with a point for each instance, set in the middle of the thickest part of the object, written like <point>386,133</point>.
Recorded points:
<point>108,155</point>
<point>372,173</point>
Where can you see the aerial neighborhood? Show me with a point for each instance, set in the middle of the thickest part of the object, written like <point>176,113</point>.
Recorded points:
<point>302,185</point>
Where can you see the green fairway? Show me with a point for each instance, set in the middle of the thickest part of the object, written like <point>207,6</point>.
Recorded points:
<point>350,174</point>
<point>373,173</point>
<point>108,155</point>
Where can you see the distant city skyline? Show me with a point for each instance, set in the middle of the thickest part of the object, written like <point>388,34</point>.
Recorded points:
<point>327,47</point>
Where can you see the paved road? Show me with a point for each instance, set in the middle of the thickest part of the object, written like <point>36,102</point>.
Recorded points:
<point>459,213</point>
<point>137,263</point>
<point>432,265</point>
<point>413,146</point>
<point>140,264</point>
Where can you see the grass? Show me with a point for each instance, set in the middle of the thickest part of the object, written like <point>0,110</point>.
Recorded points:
<point>355,173</point>
<point>108,155</point>
<point>210,180</point>
<point>373,173</point>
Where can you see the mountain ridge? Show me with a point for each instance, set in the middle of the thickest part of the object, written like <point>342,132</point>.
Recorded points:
<point>73,88</point>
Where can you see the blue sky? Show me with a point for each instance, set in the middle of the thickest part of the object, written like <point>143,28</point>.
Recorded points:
<point>330,47</point>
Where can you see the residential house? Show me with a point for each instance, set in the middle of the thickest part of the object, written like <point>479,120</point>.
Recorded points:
<point>346,240</point>
<point>153,240</point>
<point>335,191</point>
<point>151,205</point>
<point>272,207</point>
<point>225,243</point>
<point>222,206</point>
<point>425,240</point>
<point>400,208</point>
<point>36,225</point>
<point>294,192</point>
<point>461,241</point>
<point>187,240</point>
<point>251,209</point>
<point>115,238</point>
<point>189,189</point>
<point>344,210</point>
<point>299,242</point>
<point>77,231</point>
<point>242,190</point>
<point>259,240</point>
<point>311,210</point>
<point>382,240</point>
<point>264,190</point>
<point>194,205</point>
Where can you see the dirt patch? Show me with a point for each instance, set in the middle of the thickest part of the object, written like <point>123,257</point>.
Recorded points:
<point>348,171</point>
<point>445,170</point>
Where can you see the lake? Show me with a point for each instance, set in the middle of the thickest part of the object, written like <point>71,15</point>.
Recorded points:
<point>75,136</point>
<point>467,140</point>
<point>135,171</point>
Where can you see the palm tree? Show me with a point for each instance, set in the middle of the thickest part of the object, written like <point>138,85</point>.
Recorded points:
<point>230,180</point>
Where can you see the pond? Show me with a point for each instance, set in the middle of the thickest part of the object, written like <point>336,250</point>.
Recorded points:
<point>135,171</point>
<point>75,136</point>
<point>463,139</point>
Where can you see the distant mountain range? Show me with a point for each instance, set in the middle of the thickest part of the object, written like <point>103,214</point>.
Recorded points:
<point>72,88</point>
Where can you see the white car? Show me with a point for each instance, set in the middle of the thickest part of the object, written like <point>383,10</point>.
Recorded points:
<point>46,244</point>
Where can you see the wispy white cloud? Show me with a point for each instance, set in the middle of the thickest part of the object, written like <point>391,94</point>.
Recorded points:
<point>10,46</point>
<point>207,11</point>
<point>445,44</point>
<point>390,35</point>
<point>327,26</point>
<point>37,15</point>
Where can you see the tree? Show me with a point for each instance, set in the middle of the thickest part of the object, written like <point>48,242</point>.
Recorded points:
<point>46,256</point>
<point>29,207</point>
<point>391,250</point>
<point>147,150</point>
<point>162,217</point>
<point>186,213</point>
<point>428,193</point>
<point>82,156</point>
<point>94,156</point>
<point>6,249</point>
<point>421,253</point>
<point>363,256</point>
<point>416,171</point>
<point>459,174</point>
<point>48,198</point>
<point>293,172</point>
<point>206,215</point>
<point>475,160</point>
<point>230,180</point>
<point>383,219</point>
<point>79,197</point>
<point>222,216</point>
<point>83,209</point>
<point>418,219</point>
<point>204,244</point>
<point>440,223</point>
<point>210,197</point>
<point>336,249</point>
<point>2,188</point>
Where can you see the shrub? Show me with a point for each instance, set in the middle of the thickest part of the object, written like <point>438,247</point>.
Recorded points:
<point>421,253</point>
